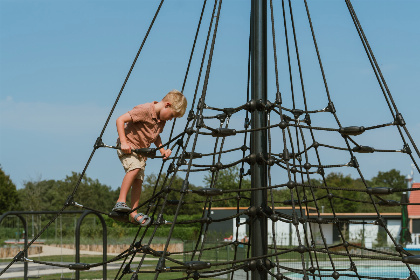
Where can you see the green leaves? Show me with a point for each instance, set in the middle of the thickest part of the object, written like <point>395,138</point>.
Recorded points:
<point>51,194</point>
<point>9,199</point>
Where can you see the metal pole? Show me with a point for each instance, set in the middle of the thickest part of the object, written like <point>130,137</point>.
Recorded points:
<point>258,226</point>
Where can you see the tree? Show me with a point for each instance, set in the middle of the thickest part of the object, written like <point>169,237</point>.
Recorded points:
<point>343,200</point>
<point>175,183</point>
<point>51,194</point>
<point>228,179</point>
<point>9,199</point>
<point>392,179</point>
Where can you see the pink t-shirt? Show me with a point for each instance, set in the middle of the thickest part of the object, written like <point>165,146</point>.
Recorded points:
<point>145,127</point>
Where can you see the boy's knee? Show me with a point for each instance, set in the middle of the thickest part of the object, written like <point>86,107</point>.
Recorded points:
<point>137,173</point>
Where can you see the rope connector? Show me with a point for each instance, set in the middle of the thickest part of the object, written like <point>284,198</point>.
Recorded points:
<point>223,132</point>
<point>406,149</point>
<point>19,256</point>
<point>251,105</point>
<point>260,106</point>
<point>307,119</point>
<point>251,211</point>
<point>399,120</point>
<point>193,154</point>
<point>206,220</point>
<point>147,152</point>
<point>79,266</point>
<point>70,201</point>
<point>221,117</point>
<point>353,163</point>
<point>335,275</point>
<point>351,130</point>
<point>201,103</point>
<point>185,185</point>
<point>189,131</point>
<point>286,155</point>
<point>171,168</point>
<point>380,222</point>
<point>251,159</point>
<point>269,106</point>
<point>278,98</point>
<point>127,269</point>
<point>389,203</point>
<point>98,143</point>
<point>297,113</point>
<point>247,123</point>
<point>197,265</point>
<point>379,191</point>
<point>200,122</point>
<point>190,116</point>
<point>251,265</point>
<point>363,149</point>
<point>413,276</point>
<point>283,124</point>
<point>208,192</point>
<point>411,259</point>
<point>301,249</point>
<point>160,265</point>
<point>330,108</point>
<point>180,142</point>
<point>160,220</point>
<point>291,185</point>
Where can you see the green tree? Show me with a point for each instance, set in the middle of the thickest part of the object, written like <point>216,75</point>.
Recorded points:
<point>9,199</point>
<point>228,179</point>
<point>343,200</point>
<point>392,179</point>
<point>190,205</point>
<point>51,194</point>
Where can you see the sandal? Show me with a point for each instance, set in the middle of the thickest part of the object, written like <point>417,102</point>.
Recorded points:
<point>121,207</point>
<point>144,217</point>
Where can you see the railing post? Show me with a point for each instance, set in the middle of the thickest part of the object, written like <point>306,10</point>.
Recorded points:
<point>104,241</point>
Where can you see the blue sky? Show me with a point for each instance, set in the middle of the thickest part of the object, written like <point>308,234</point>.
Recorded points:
<point>62,64</point>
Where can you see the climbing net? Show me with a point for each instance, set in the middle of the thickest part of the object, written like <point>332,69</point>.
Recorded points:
<point>294,151</point>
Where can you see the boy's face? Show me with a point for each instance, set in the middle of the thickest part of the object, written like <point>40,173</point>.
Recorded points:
<point>167,114</point>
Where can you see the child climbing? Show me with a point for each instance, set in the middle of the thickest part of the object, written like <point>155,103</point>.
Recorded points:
<point>139,128</point>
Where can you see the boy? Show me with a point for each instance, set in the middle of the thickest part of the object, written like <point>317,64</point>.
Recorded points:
<point>139,128</point>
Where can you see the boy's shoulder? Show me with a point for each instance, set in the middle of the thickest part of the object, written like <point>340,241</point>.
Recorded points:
<point>143,107</point>
<point>143,111</point>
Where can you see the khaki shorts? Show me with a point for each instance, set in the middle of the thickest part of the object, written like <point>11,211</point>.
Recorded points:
<point>132,161</point>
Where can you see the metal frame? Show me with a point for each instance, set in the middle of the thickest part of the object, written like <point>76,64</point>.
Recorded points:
<point>77,234</point>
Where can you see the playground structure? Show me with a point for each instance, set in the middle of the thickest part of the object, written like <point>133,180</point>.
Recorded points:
<point>297,158</point>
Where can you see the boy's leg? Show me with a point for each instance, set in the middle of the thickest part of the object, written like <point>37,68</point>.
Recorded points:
<point>135,194</point>
<point>135,198</point>
<point>128,181</point>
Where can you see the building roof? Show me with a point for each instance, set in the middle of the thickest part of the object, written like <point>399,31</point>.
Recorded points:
<point>414,210</point>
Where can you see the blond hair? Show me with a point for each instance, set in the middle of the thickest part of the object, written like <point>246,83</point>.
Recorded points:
<point>178,102</point>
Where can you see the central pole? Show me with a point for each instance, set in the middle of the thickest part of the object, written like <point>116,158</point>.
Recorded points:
<point>258,226</point>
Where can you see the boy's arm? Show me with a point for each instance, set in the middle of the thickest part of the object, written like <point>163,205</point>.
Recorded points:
<point>125,148</point>
<point>163,152</point>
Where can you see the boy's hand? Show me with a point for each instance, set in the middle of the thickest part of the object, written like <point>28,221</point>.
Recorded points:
<point>125,148</point>
<point>166,153</point>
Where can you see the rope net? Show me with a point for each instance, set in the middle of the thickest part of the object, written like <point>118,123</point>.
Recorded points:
<point>296,140</point>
